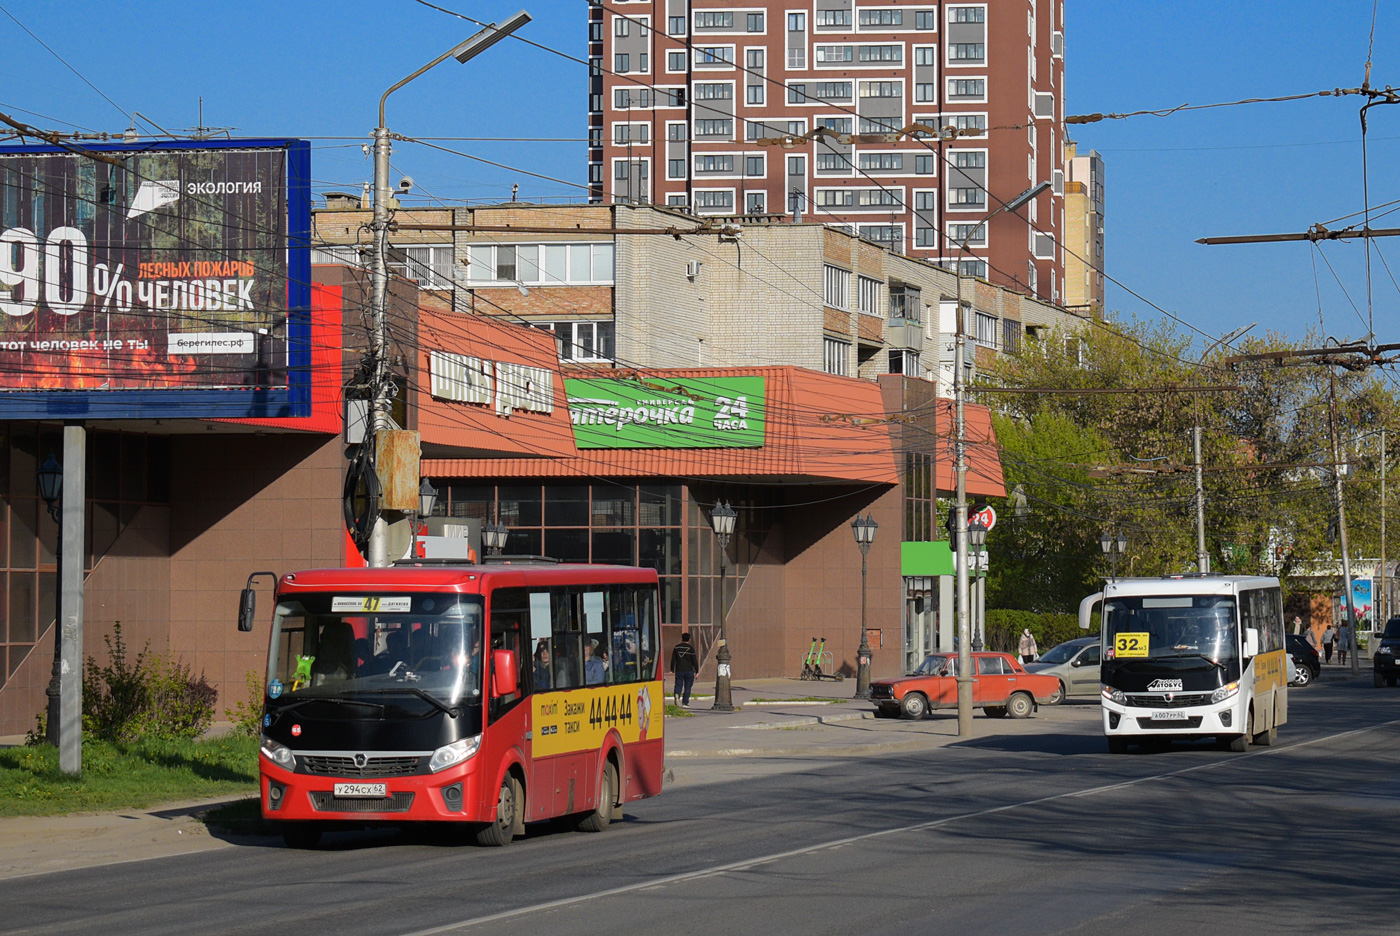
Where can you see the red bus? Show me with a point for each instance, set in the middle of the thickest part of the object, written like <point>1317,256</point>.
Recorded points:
<point>492,695</point>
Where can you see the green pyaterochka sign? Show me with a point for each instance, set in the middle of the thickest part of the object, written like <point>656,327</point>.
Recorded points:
<point>713,412</point>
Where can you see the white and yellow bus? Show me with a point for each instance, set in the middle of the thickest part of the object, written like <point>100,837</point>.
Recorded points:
<point>1191,655</point>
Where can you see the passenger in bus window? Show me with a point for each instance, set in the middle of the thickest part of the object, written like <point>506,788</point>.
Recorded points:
<point>594,671</point>
<point>543,675</point>
<point>395,650</point>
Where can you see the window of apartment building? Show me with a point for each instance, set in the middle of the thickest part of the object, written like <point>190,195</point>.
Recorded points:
<point>642,62</point>
<point>926,164</point>
<point>755,94</point>
<point>904,361</point>
<point>621,26</point>
<point>622,62</point>
<point>755,22</point>
<point>925,237</point>
<point>595,32</point>
<point>986,330</point>
<point>629,98</point>
<point>583,341</point>
<point>713,127</point>
<point>836,198</point>
<point>797,93</point>
<point>675,168</point>
<point>714,20</point>
<point>925,201</point>
<point>886,162</point>
<point>926,92</point>
<point>714,55</point>
<point>905,304</point>
<point>925,55</point>
<point>967,197</point>
<point>675,61</point>
<point>632,133</point>
<point>837,355</point>
<point>881,89</point>
<point>878,198</point>
<point>880,124</point>
<point>675,132</point>
<point>975,235</point>
<point>758,129</point>
<point>756,202</point>
<point>677,201</point>
<point>830,54</point>
<point>721,163</point>
<point>595,172</point>
<point>753,166</point>
<point>973,88</point>
<point>595,102</point>
<point>967,51</point>
<point>832,162</point>
<point>969,159</point>
<point>797,165</point>
<point>977,268</point>
<point>621,169</point>
<point>721,200</point>
<point>837,291</point>
<point>977,122</point>
<point>675,25</point>
<point>1011,336</point>
<point>754,58</point>
<point>881,53</point>
<point>968,14</point>
<point>831,19</point>
<point>540,264</point>
<point>868,290</point>
<point>797,22</point>
<point>890,236</point>
<point>829,91</point>
<point>882,17</point>
<point>835,124</point>
<point>926,19</point>
<point>713,90</point>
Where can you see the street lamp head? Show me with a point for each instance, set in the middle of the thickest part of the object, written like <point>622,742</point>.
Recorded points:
<point>722,519</point>
<point>976,534</point>
<point>863,528</point>
<point>50,478</point>
<point>1029,195</point>
<point>1122,544</point>
<point>489,36</point>
<point>1106,543</point>
<point>427,498</point>
<point>495,536</point>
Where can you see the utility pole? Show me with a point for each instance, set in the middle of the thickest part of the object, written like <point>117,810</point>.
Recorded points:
<point>1383,599</point>
<point>1342,520</point>
<point>381,388</point>
<point>1202,557</point>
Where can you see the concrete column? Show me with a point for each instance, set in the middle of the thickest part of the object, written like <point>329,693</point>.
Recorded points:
<point>70,685</point>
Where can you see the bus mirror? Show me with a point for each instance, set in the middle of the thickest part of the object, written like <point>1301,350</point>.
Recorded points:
<point>247,609</point>
<point>503,678</point>
<point>1086,610</point>
<point>1251,641</point>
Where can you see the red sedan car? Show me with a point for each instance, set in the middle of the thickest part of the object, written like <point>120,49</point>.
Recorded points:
<point>1000,686</point>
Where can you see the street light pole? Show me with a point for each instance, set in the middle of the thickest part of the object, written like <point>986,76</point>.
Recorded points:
<point>722,518</point>
<point>864,530</point>
<point>977,539</point>
<point>381,397</point>
<point>1202,557</point>
<point>964,677</point>
<point>49,477</point>
<point>1342,522</point>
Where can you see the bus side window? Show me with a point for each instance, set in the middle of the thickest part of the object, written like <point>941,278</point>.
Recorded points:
<point>650,637</point>
<point>622,634</point>
<point>509,613</point>
<point>567,606</point>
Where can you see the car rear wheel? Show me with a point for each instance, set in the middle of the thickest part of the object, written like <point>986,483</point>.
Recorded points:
<point>914,705</point>
<point>1058,696</point>
<point>1020,705</point>
<point>1302,676</point>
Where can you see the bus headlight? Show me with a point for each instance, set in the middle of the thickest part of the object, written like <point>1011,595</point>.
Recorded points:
<point>279,754</point>
<point>454,753</point>
<point>1115,695</point>
<point>1225,692</point>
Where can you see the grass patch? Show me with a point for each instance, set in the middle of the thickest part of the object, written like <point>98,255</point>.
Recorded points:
<point>125,775</point>
<point>827,700</point>
<point>675,711</point>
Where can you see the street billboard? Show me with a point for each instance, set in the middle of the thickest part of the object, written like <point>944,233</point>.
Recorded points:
<point>655,413</point>
<point>165,279</point>
<point>1361,601</point>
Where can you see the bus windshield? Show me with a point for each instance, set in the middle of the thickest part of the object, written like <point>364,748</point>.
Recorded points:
<point>421,644</point>
<point>1171,626</point>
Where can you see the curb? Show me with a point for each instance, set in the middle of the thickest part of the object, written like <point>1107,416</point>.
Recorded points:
<point>865,750</point>
<point>806,720</point>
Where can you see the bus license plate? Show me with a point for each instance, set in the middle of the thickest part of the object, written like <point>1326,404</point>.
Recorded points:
<point>380,790</point>
<point>1169,716</point>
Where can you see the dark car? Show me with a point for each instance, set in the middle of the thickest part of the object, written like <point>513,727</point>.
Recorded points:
<point>1305,659</point>
<point>1386,659</point>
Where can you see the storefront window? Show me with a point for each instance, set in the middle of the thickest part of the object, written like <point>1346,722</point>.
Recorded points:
<point>565,505</point>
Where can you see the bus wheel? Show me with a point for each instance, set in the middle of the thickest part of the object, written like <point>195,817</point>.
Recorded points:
<point>301,834</point>
<point>1117,746</point>
<point>1266,738</point>
<point>1020,705</point>
<point>1240,743</point>
<point>502,830</point>
<point>599,818</point>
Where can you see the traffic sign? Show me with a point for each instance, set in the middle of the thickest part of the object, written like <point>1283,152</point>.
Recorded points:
<point>986,516</point>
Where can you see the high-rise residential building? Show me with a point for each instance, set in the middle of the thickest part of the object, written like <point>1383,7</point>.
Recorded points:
<point>722,108</point>
<point>1083,230</point>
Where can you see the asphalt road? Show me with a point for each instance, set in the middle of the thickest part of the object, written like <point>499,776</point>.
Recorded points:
<point>1023,834</point>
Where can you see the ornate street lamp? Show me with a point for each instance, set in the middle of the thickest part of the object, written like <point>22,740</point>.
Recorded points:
<point>49,477</point>
<point>494,536</point>
<point>722,519</point>
<point>977,539</point>
<point>864,531</point>
<point>427,498</point>
<point>1113,548</point>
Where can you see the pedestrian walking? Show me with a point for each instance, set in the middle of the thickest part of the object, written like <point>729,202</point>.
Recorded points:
<point>684,663</point>
<point>1329,643</point>
<point>1028,648</point>
<point>1343,642</point>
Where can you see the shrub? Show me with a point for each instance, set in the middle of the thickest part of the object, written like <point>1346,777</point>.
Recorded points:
<point>151,697</point>
<point>1004,629</point>
<point>247,713</point>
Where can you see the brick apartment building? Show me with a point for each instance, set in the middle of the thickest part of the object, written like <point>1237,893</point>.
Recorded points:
<point>712,106</point>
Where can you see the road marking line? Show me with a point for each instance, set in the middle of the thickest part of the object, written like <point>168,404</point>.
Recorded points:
<point>748,863</point>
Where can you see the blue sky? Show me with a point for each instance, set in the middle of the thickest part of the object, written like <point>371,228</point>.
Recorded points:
<point>317,68</point>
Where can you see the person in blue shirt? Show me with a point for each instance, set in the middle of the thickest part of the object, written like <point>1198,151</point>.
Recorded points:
<point>594,670</point>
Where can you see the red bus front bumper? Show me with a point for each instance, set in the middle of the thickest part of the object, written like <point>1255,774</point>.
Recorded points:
<point>452,795</point>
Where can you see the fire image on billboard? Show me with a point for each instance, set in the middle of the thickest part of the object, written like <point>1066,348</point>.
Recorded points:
<point>167,272</point>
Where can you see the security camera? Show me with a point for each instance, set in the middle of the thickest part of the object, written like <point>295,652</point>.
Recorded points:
<point>405,185</point>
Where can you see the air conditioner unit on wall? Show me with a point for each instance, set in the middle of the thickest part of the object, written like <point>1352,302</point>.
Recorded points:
<point>692,269</point>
